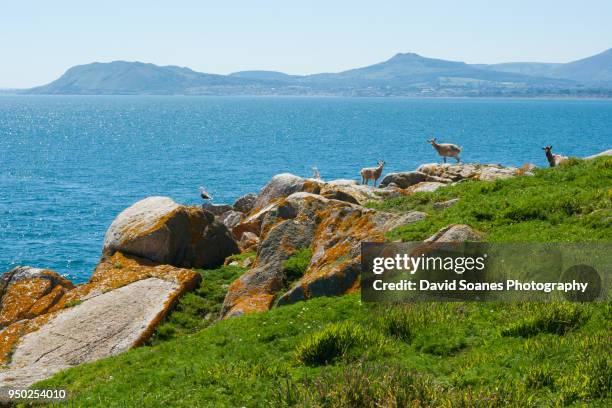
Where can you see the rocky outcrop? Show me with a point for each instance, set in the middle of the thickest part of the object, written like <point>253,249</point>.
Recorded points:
<point>27,292</point>
<point>116,310</point>
<point>458,172</point>
<point>333,229</point>
<point>165,232</point>
<point>410,178</point>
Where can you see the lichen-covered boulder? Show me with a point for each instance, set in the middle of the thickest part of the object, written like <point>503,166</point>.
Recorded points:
<point>333,229</point>
<point>245,203</point>
<point>117,309</point>
<point>165,232</point>
<point>27,292</point>
<point>410,178</point>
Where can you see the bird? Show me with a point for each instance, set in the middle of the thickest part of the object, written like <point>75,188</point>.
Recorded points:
<point>205,195</point>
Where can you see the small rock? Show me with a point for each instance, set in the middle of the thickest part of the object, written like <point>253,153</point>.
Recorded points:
<point>445,204</point>
<point>426,187</point>
<point>248,242</point>
<point>246,203</point>
<point>217,209</point>
<point>231,218</point>
<point>455,233</point>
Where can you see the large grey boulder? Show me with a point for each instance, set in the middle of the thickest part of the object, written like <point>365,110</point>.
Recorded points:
<point>165,232</point>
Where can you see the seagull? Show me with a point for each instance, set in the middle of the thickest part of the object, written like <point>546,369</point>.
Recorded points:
<point>205,196</point>
<point>315,173</point>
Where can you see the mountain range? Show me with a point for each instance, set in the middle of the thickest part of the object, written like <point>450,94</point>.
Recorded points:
<point>406,74</point>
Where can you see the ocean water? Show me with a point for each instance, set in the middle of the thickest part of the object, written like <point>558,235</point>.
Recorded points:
<point>70,164</point>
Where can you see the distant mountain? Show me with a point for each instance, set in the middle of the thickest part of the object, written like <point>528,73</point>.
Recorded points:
<point>540,69</point>
<point>595,70</point>
<point>592,70</point>
<point>122,77</point>
<point>406,74</point>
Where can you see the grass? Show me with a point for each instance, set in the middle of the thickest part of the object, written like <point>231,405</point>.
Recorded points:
<point>296,265</point>
<point>572,203</point>
<point>557,319</point>
<point>340,352</point>
<point>200,308</point>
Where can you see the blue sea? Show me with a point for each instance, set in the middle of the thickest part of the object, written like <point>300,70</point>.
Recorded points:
<point>70,164</point>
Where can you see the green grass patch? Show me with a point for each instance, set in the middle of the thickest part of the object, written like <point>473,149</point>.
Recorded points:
<point>296,265</point>
<point>200,308</point>
<point>336,341</point>
<point>552,318</point>
<point>240,257</point>
<point>571,203</point>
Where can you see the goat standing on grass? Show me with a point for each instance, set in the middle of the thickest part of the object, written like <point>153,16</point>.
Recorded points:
<point>446,149</point>
<point>372,173</point>
<point>554,159</point>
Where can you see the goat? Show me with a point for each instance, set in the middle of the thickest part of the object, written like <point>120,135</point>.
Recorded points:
<point>446,150</point>
<point>372,173</point>
<point>554,159</point>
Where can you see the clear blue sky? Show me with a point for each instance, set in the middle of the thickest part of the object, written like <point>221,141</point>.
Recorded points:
<point>39,40</point>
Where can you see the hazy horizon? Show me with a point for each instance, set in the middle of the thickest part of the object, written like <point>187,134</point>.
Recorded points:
<point>42,42</point>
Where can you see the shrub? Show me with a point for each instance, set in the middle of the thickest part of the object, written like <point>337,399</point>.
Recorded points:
<point>296,266</point>
<point>539,377</point>
<point>556,318</point>
<point>332,343</point>
<point>396,323</point>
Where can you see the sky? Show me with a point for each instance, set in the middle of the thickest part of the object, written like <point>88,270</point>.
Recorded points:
<point>40,40</point>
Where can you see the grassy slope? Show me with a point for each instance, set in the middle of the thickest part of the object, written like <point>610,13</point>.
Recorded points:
<point>424,354</point>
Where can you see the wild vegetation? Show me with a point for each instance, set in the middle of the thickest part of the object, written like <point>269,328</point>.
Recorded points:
<point>341,352</point>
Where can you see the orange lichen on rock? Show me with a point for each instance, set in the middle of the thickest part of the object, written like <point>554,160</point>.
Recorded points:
<point>30,292</point>
<point>252,304</point>
<point>9,336</point>
<point>119,270</point>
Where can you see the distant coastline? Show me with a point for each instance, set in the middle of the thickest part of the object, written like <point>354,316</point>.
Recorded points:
<point>403,75</point>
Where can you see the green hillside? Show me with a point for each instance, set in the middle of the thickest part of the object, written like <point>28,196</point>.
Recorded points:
<point>340,352</point>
